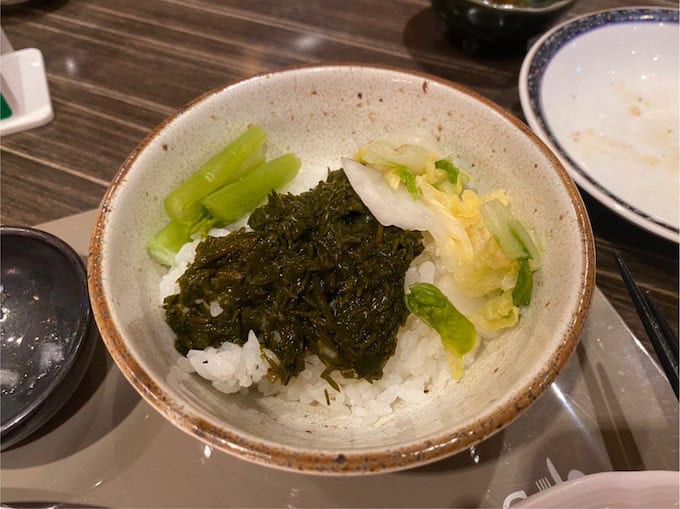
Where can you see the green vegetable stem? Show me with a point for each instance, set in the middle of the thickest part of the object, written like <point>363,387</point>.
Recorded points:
<point>245,152</point>
<point>232,183</point>
<point>457,333</point>
<point>164,246</point>
<point>456,176</point>
<point>521,294</point>
<point>409,180</point>
<point>236,199</point>
<point>516,242</point>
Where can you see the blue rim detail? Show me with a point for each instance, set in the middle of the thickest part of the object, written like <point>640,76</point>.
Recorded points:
<point>549,49</point>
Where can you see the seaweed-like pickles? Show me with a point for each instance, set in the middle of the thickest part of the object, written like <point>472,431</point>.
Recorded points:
<point>317,273</point>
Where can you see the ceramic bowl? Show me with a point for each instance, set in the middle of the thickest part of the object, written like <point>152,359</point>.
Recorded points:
<point>322,113</point>
<point>495,23</point>
<point>48,334</point>
<point>601,91</point>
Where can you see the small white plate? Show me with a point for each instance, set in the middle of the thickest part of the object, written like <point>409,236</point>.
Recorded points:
<point>602,92</point>
<point>610,489</point>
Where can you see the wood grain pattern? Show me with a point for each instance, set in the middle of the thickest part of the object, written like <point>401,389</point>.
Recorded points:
<point>116,68</point>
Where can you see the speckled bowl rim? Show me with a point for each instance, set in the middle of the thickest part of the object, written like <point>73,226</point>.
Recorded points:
<point>324,461</point>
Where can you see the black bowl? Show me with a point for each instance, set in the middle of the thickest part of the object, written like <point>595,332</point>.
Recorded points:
<point>47,333</point>
<point>494,23</point>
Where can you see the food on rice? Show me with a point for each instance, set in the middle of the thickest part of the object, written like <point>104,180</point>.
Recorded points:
<point>315,272</point>
<point>463,264</point>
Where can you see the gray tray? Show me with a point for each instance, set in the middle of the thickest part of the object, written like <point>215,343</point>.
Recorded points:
<point>610,409</point>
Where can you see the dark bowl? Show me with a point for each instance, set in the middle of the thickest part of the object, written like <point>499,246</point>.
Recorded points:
<point>47,334</point>
<point>496,22</point>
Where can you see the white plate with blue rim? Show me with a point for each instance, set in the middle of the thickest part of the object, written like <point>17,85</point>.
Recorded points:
<point>601,91</point>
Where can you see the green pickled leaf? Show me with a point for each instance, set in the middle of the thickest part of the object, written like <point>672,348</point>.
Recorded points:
<point>456,176</point>
<point>409,180</point>
<point>511,235</point>
<point>521,294</point>
<point>428,303</point>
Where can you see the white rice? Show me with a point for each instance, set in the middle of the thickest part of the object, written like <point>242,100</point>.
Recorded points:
<point>228,367</point>
<point>418,370</point>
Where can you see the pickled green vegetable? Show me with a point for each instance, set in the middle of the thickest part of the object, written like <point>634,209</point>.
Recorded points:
<point>516,242</point>
<point>457,333</point>
<point>164,245</point>
<point>242,154</point>
<point>456,176</point>
<point>511,235</point>
<point>409,180</point>
<point>182,206</point>
<point>521,294</point>
<point>317,273</point>
<point>238,198</point>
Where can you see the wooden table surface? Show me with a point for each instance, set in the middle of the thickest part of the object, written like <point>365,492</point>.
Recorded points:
<point>116,68</point>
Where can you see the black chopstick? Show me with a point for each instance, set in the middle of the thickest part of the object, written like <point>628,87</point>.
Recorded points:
<point>663,339</point>
<point>663,324</point>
